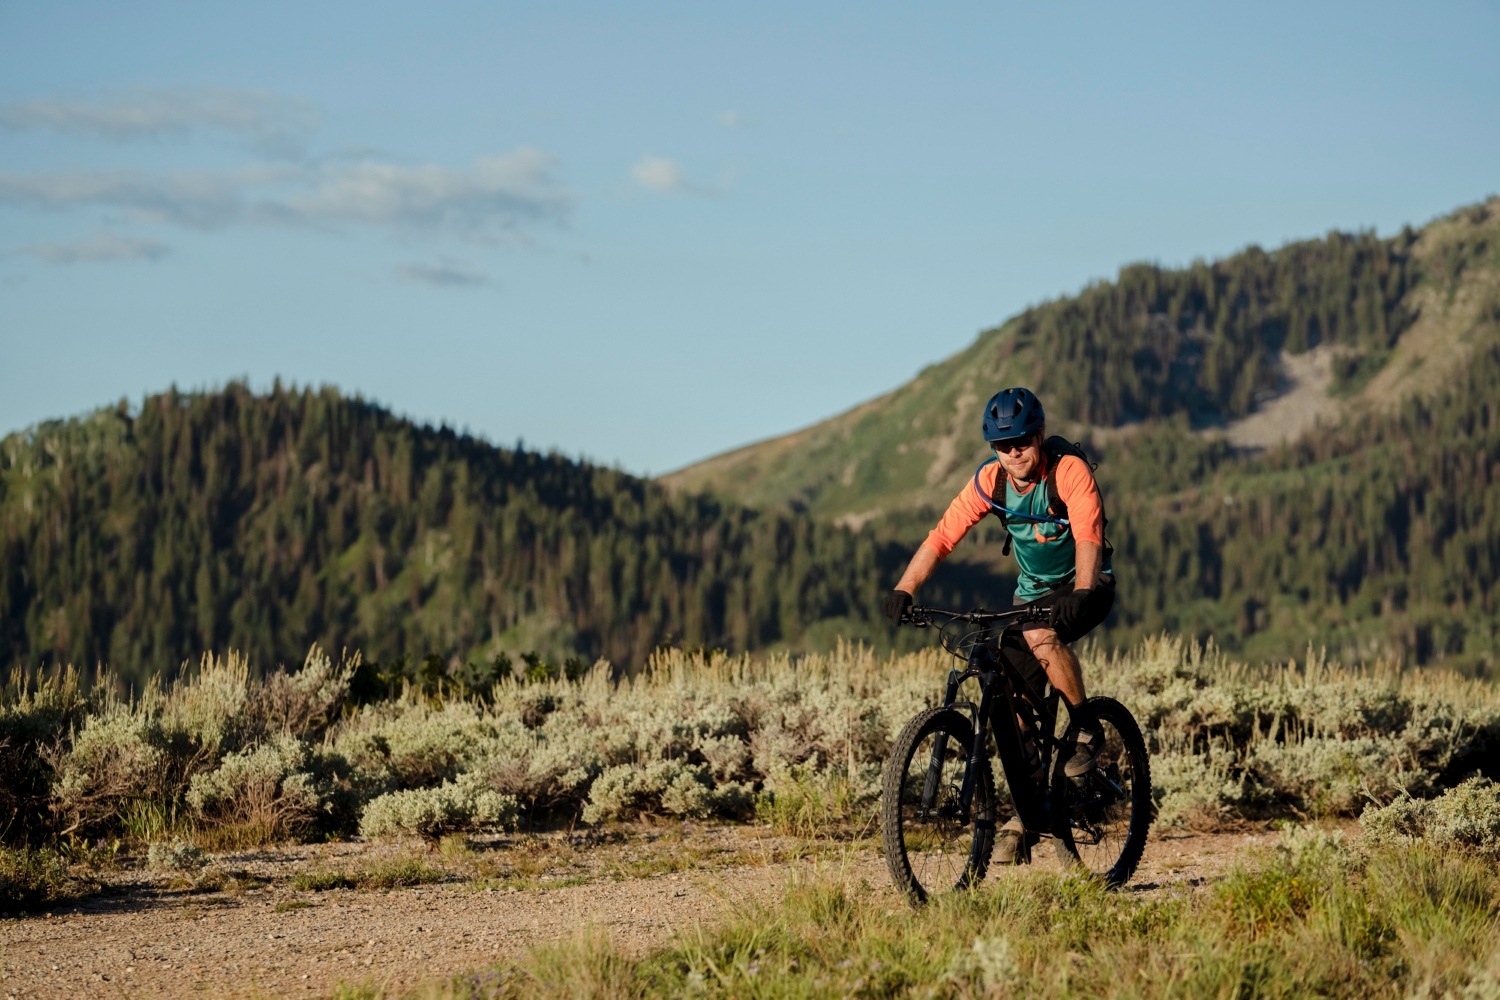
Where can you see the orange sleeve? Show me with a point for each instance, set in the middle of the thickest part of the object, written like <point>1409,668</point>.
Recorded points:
<point>966,510</point>
<point>1076,487</point>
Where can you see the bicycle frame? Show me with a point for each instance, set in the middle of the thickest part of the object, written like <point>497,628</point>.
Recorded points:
<point>1003,696</point>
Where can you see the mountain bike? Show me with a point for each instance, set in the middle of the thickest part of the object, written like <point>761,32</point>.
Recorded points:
<point>941,800</point>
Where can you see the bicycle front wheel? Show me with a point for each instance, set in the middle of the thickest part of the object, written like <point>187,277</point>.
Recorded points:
<point>932,843</point>
<point>1101,819</point>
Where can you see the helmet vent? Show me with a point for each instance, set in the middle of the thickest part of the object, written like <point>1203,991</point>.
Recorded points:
<point>1018,410</point>
<point>995,412</point>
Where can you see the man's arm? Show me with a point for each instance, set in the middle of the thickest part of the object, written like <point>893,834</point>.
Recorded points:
<point>1076,486</point>
<point>1088,557</point>
<point>919,569</point>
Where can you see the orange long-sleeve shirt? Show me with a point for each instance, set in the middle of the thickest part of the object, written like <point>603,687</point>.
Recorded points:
<point>1075,485</point>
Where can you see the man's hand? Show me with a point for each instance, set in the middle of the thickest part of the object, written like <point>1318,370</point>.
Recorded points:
<point>1069,609</point>
<point>896,604</point>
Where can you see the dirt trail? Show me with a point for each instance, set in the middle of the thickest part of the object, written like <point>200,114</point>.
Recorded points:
<point>143,942</point>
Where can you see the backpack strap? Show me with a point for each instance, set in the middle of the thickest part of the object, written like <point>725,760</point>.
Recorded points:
<point>1055,448</point>
<point>1005,513</point>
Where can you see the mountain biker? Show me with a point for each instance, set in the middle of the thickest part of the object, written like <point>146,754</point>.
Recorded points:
<point>1064,566</point>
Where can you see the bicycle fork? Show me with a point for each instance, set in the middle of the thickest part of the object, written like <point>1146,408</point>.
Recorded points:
<point>933,782</point>
<point>1030,800</point>
<point>939,751</point>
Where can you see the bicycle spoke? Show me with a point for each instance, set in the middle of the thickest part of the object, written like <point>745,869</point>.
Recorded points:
<point>938,839</point>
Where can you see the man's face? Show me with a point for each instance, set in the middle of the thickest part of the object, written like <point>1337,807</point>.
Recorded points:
<point>1020,457</point>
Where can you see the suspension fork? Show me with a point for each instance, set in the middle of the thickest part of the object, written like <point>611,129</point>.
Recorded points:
<point>940,749</point>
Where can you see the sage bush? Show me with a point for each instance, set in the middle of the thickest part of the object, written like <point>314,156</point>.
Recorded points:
<point>795,740</point>
<point>1464,819</point>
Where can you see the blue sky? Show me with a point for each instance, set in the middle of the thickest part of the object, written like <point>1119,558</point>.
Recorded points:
<point>647,233</point>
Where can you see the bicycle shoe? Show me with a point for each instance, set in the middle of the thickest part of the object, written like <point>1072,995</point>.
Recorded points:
<point>1088,741</point>
<point>1008,850</point>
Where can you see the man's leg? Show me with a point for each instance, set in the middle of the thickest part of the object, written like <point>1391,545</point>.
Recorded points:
<point>1067,677</point>
<point>1059,662</point>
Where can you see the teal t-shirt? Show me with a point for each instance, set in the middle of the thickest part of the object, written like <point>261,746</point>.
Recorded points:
<point>1045,552</point>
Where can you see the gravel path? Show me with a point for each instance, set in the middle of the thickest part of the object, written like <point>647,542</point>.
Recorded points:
<point>142,941</point>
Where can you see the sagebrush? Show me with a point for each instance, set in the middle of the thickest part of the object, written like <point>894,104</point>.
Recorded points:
<point>796,740</point>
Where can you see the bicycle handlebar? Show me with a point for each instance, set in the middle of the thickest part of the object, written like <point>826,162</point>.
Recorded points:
<point>921,617</point>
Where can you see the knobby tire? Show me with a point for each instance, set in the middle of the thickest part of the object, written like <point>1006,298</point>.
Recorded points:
<point>1126,750</point>
<point>926,855</point>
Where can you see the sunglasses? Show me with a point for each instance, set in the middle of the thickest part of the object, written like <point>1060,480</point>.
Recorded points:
<point>1012,444</point>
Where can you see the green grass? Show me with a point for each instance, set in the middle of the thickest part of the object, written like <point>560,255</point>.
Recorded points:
<point>400,874</point>
<point>815,805</point>
<point>323,880</point>
<point>394,874</point>
<point>1310,917</point>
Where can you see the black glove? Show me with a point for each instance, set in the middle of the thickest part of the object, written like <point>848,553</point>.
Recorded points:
<point>1068,610</point>
<point>896,604</point>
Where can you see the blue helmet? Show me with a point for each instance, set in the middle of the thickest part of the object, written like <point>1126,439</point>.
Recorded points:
<point>1013,413</point>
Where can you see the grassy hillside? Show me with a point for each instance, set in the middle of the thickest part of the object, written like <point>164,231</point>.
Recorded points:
<point>1378,529</point>
<point>1208,344</point>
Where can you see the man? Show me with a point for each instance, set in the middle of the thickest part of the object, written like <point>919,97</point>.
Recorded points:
<point>1061,553</point>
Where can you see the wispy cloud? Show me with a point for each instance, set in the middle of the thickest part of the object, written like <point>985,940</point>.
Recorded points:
<point>443,274</point>
<point>197,199</point>
<point>657,173</point>
<point>272,123</point>
<point>102,246</point>
<point>498,194</point>
<point>731,119</point>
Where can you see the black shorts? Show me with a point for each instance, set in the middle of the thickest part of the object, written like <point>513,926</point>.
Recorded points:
<point>1095,610</point>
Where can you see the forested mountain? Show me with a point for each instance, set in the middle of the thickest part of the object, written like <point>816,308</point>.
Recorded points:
<point>218,520</point>
<point>1376,531</point>
<point>211,521</point>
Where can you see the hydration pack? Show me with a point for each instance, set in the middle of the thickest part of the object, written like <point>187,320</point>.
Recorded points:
<point>1055,448</point>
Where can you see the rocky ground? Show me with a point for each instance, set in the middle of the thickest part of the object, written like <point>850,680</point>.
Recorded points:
<point>298,921</point>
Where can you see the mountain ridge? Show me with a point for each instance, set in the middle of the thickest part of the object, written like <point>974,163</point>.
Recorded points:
<point>902,449</point>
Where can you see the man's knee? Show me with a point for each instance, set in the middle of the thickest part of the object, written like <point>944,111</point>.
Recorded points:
<point>1044,643</point>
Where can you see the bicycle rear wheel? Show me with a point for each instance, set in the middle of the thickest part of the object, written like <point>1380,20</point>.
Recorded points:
<point>1101,819</point>
<point>931,847</point>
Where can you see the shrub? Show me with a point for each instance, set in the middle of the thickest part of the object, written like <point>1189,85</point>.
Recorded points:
<point>465,804</point>
<point>263,792</point>
<point>37,710</point>
<point>31,879</point>
<point>118,757</point>
<point>201,743</point>
<point>1465,818</point>
<point>175,856</point>
<point>706,735</point>
<point>302,703</point>
<point>670,786</point>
